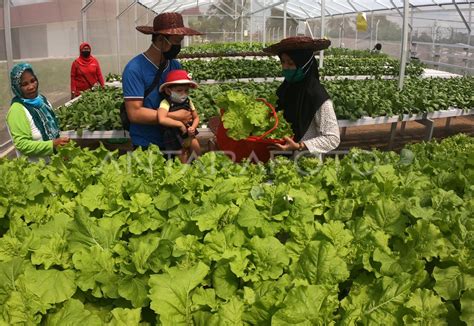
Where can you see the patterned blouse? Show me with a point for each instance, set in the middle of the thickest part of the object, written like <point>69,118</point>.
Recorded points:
<point>322,135</point>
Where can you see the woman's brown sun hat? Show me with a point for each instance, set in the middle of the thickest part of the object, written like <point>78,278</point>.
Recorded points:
<point>168,23</point>
<point>298,43</point>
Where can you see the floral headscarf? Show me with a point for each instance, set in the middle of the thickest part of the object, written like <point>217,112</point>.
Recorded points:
<point>39,108</point>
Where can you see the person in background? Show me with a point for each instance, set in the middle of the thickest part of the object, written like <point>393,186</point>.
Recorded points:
<point>139,75</point>
<point>85,71</point>
<point>305,102</point>
<point>31,121</point>
<point>377,48</point>
<point>179,135</point>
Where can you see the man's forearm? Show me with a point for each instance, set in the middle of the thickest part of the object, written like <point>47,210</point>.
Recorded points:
<point>180,115</point>
<point>143,115</point>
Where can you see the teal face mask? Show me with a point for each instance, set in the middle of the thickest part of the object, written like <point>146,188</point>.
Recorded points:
<point>293,75</point>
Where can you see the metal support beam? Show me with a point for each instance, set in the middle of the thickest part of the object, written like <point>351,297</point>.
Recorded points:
<point>251,21</point>
<point>352,6</point>
<point>226,12</point>
<point>235,3</point>
<point>470,22</point>
<point>393,133</point>
<point>371,30</point>
<point>8,35</point>
<point>135,18</point>
<point>400,13</point>
<point>235,21</point>
<point>146,13</point>
<point>264,26</point>
<point>267,7</point>
<point>358,10</point>
<point>168,6</point>
<point>117,23</point>
<point>84,9</point>
<point>242,23</point>
<point>403,54</point>
<point>284,19</point>
<point>323,24</point>
<point>309,28</point>
<point>377,31</point>
<point>429,124</point>
<point>462,16</point>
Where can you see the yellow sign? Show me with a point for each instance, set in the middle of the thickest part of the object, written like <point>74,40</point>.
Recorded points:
<point>361,22</point>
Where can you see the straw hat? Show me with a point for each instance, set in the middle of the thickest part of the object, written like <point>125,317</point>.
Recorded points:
<point>178,77</point>
<point>168,23</point>
<point>298,43</point>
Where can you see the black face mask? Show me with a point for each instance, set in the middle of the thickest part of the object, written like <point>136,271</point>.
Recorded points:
<point>86,54</point>
<point>173,52</point>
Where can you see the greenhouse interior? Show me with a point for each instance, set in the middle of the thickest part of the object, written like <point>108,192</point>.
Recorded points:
<point>236,162</point>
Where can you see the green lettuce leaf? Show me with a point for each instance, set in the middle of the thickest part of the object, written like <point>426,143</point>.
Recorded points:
<point>427,309</point>
<point>269,257</point>
<point>320,264</point>
<point>451,281</point>
<point>72,313</point>
<point>308,305</point>
<point>467,306</point>
<point>170,293</point>
<point>376,302</point>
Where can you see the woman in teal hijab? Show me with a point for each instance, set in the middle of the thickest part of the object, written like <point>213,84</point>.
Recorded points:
<point>31,121</point>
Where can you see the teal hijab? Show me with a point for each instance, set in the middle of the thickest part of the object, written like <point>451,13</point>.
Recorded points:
<point>39,108</point>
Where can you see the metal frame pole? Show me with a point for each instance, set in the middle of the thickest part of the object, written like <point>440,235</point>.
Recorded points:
<point>242,22</point>
<point>357,35</point>
<point>8,35</point>
<point>323,24</point>
<point>371,30</point>
<point>284,20</point>
<point>342,31</point>
<point>117,24</point>
<point>462,16</point>
<point>136,32</point>
<point>470,22</point>
<point>235,21</point>
<point>264,26</point>
<point>377,31</point>
<point>251,27</point>
<point>86,5</point>
<point>403,54</point>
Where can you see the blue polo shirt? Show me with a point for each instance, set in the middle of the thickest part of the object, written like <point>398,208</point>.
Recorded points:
<point>137,76</point>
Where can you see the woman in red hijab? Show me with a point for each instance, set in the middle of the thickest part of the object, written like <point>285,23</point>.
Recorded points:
<point>85,71</point>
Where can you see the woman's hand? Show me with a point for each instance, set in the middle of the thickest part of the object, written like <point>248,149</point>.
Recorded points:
<point>191,131</point>
<point>61,141</point>
<point>290,145</point>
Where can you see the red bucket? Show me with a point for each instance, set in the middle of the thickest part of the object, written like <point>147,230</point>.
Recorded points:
<point>257,148</point>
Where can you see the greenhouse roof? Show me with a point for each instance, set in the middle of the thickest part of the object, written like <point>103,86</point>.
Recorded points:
<point>303,9</point>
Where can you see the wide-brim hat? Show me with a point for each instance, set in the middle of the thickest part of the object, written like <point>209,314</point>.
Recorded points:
<point>298,43</point>
<point>168,23</point>
<point>178,77</point>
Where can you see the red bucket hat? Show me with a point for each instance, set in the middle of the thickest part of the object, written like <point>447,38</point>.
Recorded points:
<point>298,43</point>
<point>168,23</point>
<point>178,77</point>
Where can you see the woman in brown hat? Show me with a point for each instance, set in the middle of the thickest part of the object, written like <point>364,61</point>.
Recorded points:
<point>144,74</point>
<point>304,101</point>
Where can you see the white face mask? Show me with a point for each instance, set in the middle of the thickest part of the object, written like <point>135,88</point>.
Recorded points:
<point>178,98</point>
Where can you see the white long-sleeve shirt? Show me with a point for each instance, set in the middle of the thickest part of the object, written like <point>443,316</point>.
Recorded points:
<point>322,135</point>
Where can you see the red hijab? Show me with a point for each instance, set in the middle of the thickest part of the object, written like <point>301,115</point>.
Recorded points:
<point>83,61</point>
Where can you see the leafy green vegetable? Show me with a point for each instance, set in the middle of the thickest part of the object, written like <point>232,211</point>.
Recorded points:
<point>244,117</point>
<point>97,109</point>
<point>101,239</point>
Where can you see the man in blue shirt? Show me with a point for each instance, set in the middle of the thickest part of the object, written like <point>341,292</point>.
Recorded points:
<point>167,33</point>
